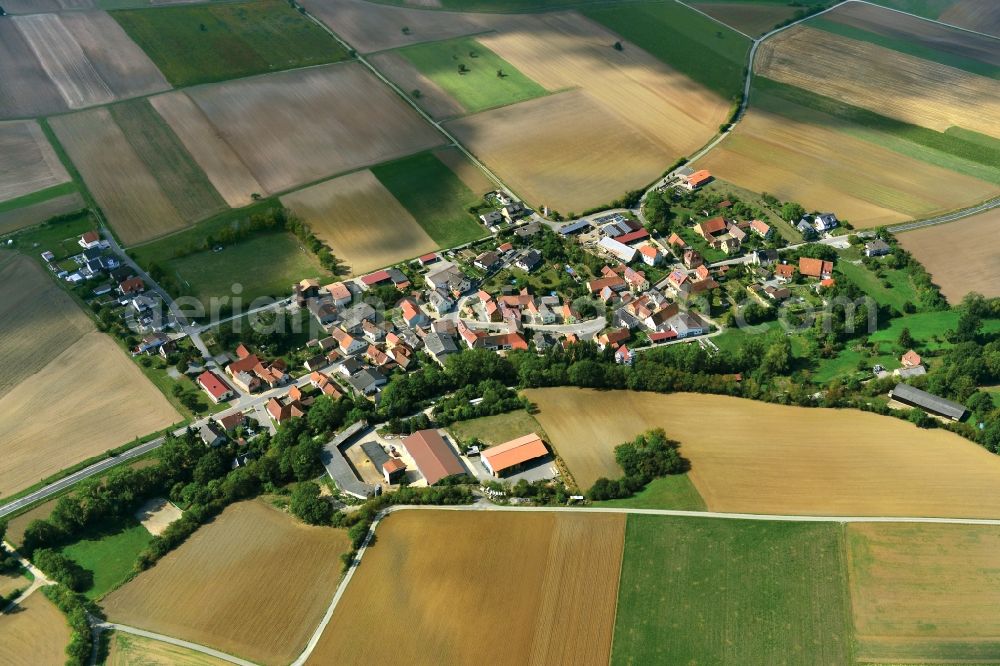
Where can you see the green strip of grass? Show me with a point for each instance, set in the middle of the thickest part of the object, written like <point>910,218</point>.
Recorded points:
<point>940,141</point>
<point>669,492</point>
<point>435,196</point>
<point>38,197</point>
<point>908,47</point>
<point>109,552</point>
<point>477,87</point>
<point>194,44</point>
<point>984,140</point>
<point>695,45</point>
<point>896,296</point>
<point>710,591</point>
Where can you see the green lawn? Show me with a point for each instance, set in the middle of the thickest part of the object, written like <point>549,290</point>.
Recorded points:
<point>203,43</point>
<point>497,429</point>
<point>845,364</point>
<point>264,265</point>
<point>58,236</point>
<point>38,197</point>
<point>478,87</point>
<point>901,291</point>
<point>708,52</point>
<point>109,552</point>
<point>908,47</point>
<point>435,196</point>
<point>669,492</point>
<point>711,591</point>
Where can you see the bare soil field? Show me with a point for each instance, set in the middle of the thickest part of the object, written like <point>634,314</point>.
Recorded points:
<point>26,216</point>
<point>565,151</point>
<point>467,172</point>
<point>255,582</point>
<point>38,321</point>
<point>86,56</point>
<point>37,635</point>
<point>157,514</point>
<point>47,423</point>
<point>565,50</point>
<point>19,523</point>
<point>979,15</point>
<point>973,242</point>
<point>224,168</point>
<point>917,31</point>
<point>361,221</point>
<point>748,18</point>
<point>123,185</point>
<point>543,586</point>
<point>891,83</point>
<point>38,6</point>
<point>25,88</point>
<point>433,98</point>
<point>131,650</point>
<point>9,582</point>
<point>332,119</point>
<point>370,26</point>
<point>924,591</point>
<point>27,161</point>
<point>755,457</point>
<point>866,184</point>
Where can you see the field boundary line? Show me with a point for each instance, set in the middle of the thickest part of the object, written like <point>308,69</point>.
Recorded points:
<point>924,18</point>
<point>712,18</point>
<point>212,652</point>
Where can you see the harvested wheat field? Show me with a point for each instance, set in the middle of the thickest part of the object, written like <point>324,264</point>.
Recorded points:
<point>254,582</point>
<point>750,19</point>
<point>754,457</point>
<point>369,26</point>
<point>84,57</point>
<point>27,161</point>
<point>332,119</point>
<point>38,320</point>
<point>565,50</point>
<point>864,183</point>
<point>361,221</point>
<point>467,172</point>
<point>979,15</point>
<point>36,635</point>
<point>123,185</point>
<point>131,650</point>
<point>40,435</point>
<point>435,581</point>
<point>925,592</point>
<point>565,151</point>
<point>962,256</point>
<point>894,84</point>
<point>224,168</point>
<point>433,98</point>
<point>36,213</point>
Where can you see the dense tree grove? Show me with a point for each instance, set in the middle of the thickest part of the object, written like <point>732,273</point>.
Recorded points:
<point>647,457</point>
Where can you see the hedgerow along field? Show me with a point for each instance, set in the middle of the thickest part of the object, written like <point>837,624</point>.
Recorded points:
<point>194,44</point>
<point>924,592</point>
<point>472,74</point>
<point>254,583</point>
<point>753,457</point>
<point>696,590</point>
<point>364,225</point>
<point>436,197</point>
<point>36,635</point>
<point>545,583</point>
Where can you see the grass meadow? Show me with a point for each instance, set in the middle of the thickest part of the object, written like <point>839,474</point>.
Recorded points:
<point>497,429</point>
<point>109,552</point>
<point>715,591</point>
<point>435,196</point>
<point>194,44</point>
<point>668,492</point>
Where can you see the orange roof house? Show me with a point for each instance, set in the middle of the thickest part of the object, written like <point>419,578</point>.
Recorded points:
<point>434,458</point>
<point>708,229</point>
<point>511,455</point>
<point>676,240</point>
<point>784,271</point>
<point>815,267</point>
<point>910,359</point>
<point>697,179</point>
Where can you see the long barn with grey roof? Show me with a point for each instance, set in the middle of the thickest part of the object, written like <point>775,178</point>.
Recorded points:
<point>339,469</point>
<point>930,403</point>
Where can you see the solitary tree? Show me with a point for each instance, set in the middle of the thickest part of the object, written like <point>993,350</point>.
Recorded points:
<point>500,74</point>
<point>462,69</point>
<point>405,30</point>
<point>905,339</point>
<point>416,93</point>
<point>619,47</point>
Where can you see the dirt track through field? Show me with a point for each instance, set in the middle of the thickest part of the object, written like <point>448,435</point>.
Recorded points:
<point>753,457</point>
<point>27,161</point>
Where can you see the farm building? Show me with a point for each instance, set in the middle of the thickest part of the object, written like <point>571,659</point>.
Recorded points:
<point>394,470</point>
<point>337,466</point>
<point>930,403</point>
<point>434,458</point>
<point>513,455</point>
<point>213,385</point>
<point>619,250</point>
<point>696,180</point>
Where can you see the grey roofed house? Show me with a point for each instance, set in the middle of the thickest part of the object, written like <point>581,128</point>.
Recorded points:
<point>353,317</point>
<point>765,257</point>
<point>211,434</point>
<point>441,301</point>
<point>906,373</point>
<point>910,395</point>
<point>92,254</point>
<point>397,276</point>
<point>375,453</point>
<point>529,260</point>
<point>351,366</point>
<point>439,345</point>
<point>805,226</point>
<point>367,381</point>
<point>527,230</point>
<point>877,248</point>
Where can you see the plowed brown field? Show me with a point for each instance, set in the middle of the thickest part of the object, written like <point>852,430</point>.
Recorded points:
<point>749,19</point>
<point>467,172</point>
<point>542,586</point>
<point>979,15</point>
<point>433,98</point>
<point>36,635</point>
<point>27,161</point>
<point>749,456</point>
<point>255,582</point>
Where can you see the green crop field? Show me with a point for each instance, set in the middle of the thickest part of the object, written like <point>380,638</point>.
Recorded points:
<point>182,180</point>
<point>109,552</point>
<point>203,43</point>
<point>695,45</point>
<point>908,47</point>
<point>435,196</point>
<point>477,86</point>
<point>667,492</point>
<point>709,591</point>
<point>264,265</point>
